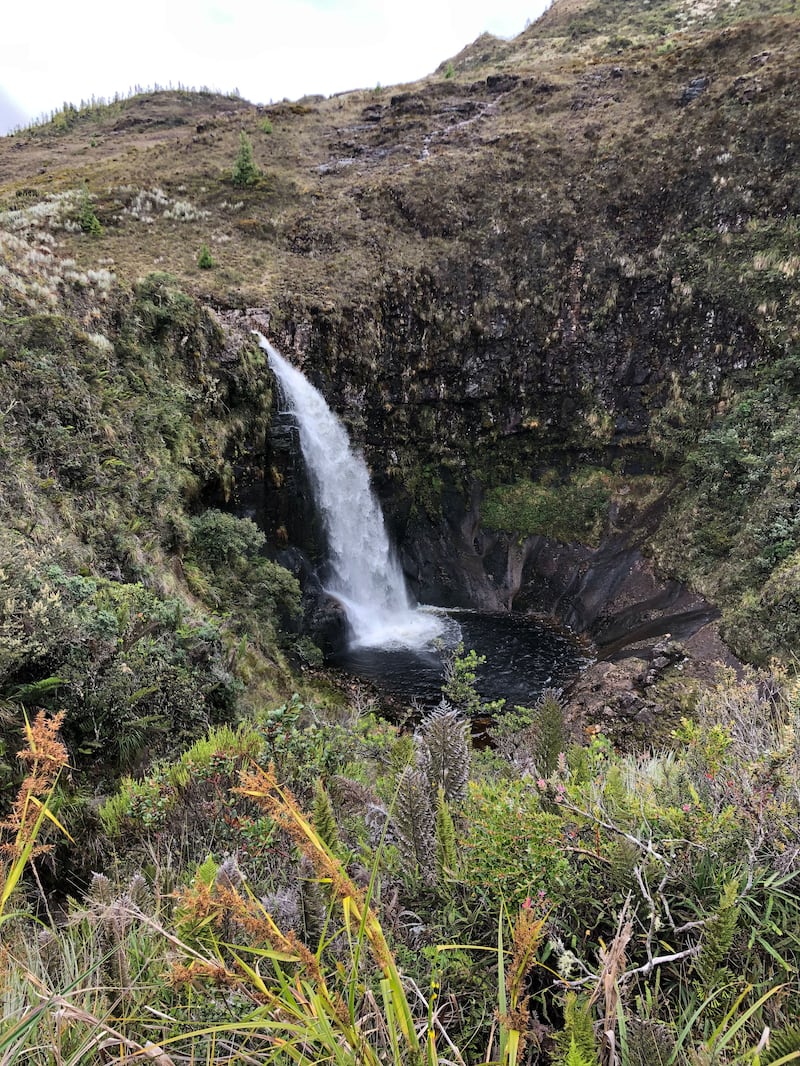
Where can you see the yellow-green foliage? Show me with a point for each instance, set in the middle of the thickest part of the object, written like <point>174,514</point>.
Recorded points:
<point>553,848</point>
<point>577,1042</point>
<point>569,511</point>
<point>149,801</point>
<point>511,847</point>
<point>446,847</point>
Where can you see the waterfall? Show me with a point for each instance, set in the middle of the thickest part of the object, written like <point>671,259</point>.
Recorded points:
<point>365,575</point>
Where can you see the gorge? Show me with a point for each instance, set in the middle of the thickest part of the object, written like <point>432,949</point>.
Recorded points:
<point>389,640</point>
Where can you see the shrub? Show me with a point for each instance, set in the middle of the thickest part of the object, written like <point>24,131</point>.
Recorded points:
<point>220,540</point>
<point>511,847</point>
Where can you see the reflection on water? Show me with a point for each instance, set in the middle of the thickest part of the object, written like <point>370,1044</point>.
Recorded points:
<point>523,657</point>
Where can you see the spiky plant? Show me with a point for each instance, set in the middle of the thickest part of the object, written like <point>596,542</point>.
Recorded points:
<point>649,1043</point>
<point>446,850</point>
<point>445,735</point>
<point>549,724</point>
<point>324,819</point>
<point>111,912</point>
<point>414,821</point>
<point>313,904</point>
<point>351,797</point>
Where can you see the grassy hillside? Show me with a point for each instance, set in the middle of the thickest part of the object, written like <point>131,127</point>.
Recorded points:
<point>122,603</point>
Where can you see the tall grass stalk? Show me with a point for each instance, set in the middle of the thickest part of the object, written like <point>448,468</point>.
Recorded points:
<point>44,757</point>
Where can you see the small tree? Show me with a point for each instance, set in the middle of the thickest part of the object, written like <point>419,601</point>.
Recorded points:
<point>205,260</point>
<point>87,219</point>
<point>245,171</point>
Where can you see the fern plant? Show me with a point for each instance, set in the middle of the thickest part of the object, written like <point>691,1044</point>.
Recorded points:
<point>783,1046</point>
<point>446,850</point>
<point>324,819</point>
<point>576,1042</point>
<point>715,945</point>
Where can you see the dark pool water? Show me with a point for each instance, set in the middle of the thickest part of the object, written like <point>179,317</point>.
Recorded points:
<point>524,656</point>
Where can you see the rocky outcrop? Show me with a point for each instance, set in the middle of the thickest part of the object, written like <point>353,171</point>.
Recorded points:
<point>610,593</point>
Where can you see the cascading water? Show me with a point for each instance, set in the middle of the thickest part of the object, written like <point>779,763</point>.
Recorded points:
<point>365,575</point>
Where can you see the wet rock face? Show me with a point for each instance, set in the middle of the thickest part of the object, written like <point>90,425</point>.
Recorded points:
<point>322,618</point>
<point>610,593</point>
<point>450,358</point>
<point>289,515</point>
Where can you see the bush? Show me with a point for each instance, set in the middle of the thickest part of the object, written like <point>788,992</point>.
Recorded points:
<point>220,540</point>
<point>204,260</point>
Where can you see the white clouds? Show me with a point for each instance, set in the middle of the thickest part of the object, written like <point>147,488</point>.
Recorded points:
<point>10,112</point>
<point>268,49</point>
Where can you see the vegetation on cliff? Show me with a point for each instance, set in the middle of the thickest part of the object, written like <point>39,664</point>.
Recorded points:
<point>115,604</point>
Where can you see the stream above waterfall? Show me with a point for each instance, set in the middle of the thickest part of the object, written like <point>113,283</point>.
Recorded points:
<point>524,656</point>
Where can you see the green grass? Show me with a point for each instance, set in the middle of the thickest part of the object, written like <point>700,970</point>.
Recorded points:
<point>572,511</point>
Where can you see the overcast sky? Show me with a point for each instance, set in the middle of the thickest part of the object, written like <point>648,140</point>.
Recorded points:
<point>55,50</point>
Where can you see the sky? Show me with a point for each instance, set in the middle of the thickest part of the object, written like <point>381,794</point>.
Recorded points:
<point>56,51</point>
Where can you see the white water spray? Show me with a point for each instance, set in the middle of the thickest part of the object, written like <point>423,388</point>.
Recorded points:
<point>365,575</point>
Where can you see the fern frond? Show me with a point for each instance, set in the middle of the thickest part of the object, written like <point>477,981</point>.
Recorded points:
<point>717,939</point>
<point>782,1043</point>
<point>324,819</point>
<point>576,1041</point>
<point>446,850</point>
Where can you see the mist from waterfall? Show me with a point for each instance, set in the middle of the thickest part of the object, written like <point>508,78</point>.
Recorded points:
<point>365,575</point>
